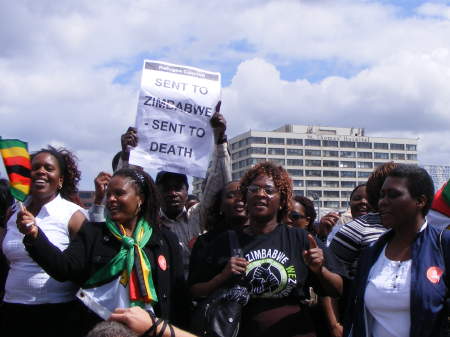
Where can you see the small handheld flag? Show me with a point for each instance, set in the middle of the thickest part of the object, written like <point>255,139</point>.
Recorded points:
<point>441,201</point>
<point>18,166</point>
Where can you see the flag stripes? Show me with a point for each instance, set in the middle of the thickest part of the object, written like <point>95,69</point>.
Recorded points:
<point>18,166</point>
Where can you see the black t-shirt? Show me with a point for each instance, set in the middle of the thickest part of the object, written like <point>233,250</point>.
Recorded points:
<point>200,252</point>
<point>276,277</point>
<point>276,267</point>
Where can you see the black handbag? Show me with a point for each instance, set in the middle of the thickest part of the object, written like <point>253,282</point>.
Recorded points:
<point>219,315</point>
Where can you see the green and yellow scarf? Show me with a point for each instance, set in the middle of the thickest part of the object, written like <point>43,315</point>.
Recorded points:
<point>132,262</point>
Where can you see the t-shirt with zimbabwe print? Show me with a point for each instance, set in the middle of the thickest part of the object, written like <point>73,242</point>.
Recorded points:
<point>276,266</point>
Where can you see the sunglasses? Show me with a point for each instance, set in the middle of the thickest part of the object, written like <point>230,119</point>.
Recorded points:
<point>296,216</point>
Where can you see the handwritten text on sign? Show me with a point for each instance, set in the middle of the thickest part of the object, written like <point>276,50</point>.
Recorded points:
<point>174,109</point>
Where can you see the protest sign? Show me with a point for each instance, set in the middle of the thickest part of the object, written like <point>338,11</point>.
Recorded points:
<point>174,109</point>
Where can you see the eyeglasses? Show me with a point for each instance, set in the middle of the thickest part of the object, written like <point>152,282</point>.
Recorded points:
<point>296,216</point>
<point>268,190</point>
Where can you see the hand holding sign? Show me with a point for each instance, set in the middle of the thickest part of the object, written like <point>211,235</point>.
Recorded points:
<point>129,139</point>
<point>219,125</point>
<point>313,257</point>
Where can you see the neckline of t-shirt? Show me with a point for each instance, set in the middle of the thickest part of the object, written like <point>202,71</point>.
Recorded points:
<point>277,228</point>
<point>394,262</point>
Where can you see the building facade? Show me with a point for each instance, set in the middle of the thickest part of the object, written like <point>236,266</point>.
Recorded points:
<point>325,163</point>
<point>86,198</point>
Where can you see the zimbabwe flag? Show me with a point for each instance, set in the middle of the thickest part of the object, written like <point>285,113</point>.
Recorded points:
<point>18,166</point>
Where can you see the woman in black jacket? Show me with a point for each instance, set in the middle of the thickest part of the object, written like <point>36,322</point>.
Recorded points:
<point>127,260</point>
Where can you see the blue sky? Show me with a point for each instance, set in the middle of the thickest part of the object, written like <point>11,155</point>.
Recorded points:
<point>70,70</point>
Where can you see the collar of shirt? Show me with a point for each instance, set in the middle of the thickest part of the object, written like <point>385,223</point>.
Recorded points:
<point>50,208</point>
<point>425,224</point>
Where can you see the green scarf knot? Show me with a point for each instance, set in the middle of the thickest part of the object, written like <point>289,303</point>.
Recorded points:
<point>131,262</point>
<point>127,242</point>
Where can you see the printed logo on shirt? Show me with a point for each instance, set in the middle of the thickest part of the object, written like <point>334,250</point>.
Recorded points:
<point>434,274</point>
<point>268,273</point>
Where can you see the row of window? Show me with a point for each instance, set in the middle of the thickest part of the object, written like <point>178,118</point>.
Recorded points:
<point>325,173</point>
<point>322,153</point>
<point>323,143</point>
<point>325,203</point>
<point>325,183</point>
<point>314,173</point>
<point>315,194</point>
<point>307,163</point>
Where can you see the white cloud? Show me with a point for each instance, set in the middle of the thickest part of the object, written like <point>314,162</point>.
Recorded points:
<point>59,61</point>
<point>406,94</point>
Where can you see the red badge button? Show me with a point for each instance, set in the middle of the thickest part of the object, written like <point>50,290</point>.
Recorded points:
<point>434,274</point>
<point>162,262</point>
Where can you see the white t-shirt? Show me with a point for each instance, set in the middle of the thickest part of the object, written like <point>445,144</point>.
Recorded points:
<point>387,297</point>
<point>27,282</point>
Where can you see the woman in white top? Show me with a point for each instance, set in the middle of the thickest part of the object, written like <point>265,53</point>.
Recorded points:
<point>401,286</point>
<point>35,304</point>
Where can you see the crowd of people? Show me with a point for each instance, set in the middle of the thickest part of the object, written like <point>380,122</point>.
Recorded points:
<point>142,258</point>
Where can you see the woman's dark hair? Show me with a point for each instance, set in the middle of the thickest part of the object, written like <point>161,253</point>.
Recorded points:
<point>6,200</point>
<point>146,187</point>
<point>419,183</point>
<point>375,181</point>
<point>355,189</point>
<point>280,178</point>
<point>308,205</point>
<point>67,162</point>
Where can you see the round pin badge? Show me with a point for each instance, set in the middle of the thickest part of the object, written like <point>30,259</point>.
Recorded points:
<point>434,274</point>
<point>162,262</point>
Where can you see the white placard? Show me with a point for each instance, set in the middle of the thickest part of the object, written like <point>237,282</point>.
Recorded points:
<point>175,105</point>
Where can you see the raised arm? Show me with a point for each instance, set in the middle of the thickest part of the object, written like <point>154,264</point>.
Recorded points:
<point>97,211</point>
<point>219,173</point>
<point>128,140</point>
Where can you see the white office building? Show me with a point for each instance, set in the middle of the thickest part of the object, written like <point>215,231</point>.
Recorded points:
<point>325,163</point>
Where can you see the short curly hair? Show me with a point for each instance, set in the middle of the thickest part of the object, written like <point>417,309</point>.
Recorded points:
<point>281,179</point>
<point>418,181</point>
<point>375,182</point>
<point>67,163</point>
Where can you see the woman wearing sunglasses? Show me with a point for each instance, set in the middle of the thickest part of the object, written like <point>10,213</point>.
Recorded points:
<point>279,260</point>
<point>302,213</point>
